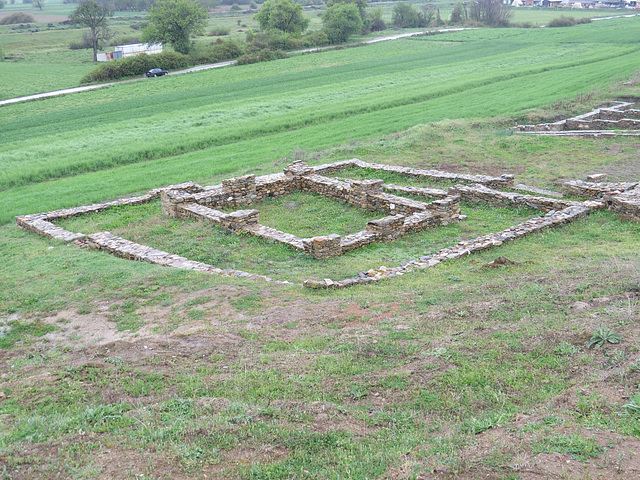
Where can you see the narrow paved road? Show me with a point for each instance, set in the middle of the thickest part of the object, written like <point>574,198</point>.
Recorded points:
<point>100,85</point>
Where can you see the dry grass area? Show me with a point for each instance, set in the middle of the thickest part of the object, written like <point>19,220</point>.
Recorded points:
<point>119,370</point>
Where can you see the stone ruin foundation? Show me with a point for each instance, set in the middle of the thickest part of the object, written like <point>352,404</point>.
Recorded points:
<point>611,119</point>
<point>402,215</point>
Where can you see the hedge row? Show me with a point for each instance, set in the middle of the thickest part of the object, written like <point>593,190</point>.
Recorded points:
<point>132,66</point>
<point>264,55</point>
<point>563,21</point>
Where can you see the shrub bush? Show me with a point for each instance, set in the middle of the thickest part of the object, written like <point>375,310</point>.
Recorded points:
<point>81,44</point>
<point>282,41</point>
<point>218,51</point>
<point>521,25</point>
<point>567,21</point>
<point>376,23</point>
<point>133,66</point>
<point>17,17</point>
<point>264,55</point>
<point>562,22</point>
<point>219,31</point>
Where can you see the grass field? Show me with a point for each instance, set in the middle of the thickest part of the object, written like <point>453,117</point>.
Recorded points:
<point>113,369</point>
<point>43,61</point>
<point>228,120</point>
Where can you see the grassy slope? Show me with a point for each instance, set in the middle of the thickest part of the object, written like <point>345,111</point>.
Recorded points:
<point>473,372</point>
<point>238,118</point>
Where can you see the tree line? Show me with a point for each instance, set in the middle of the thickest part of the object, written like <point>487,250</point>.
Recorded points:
<point>282,24</point>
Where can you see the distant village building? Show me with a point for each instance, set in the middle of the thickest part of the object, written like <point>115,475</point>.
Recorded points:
<point>123,51</point>
<point>634,4</point>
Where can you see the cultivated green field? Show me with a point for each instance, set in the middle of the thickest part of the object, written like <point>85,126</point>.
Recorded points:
<point>41,57</point>
<point>112,369</point>
<point>227,120</point>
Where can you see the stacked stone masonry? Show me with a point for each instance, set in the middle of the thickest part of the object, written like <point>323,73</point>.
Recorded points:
<point>364,194</point>
<point>621,197</point>
<point>611,116</point>
<point>403,216</point>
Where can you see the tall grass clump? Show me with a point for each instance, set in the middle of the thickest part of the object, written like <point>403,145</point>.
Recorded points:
<point>219,31</point>
<point>18,17</point>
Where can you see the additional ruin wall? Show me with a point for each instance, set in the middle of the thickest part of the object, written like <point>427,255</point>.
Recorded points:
<point>464,248</point>
<point>618,115</point>
<point>482,194</point>
<point>626,203</point>
<point>596,190</point>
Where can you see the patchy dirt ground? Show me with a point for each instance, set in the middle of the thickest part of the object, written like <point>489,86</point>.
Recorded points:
<point>225,341</point>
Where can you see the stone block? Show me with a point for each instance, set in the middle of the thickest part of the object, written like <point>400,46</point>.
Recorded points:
<point>298,169</point>
<point>241,218</point>
<point>388,228</point>
<point>242,190</point>
<point>324,246</point>
<point>597,177</point>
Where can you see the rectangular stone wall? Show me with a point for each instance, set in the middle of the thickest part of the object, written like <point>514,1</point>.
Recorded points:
<point>327,187</point>
<point>276,185</point>
<point>627,203</point>
<point>394,204</point>
<point>596,190</point>
<point>482,194</point>
<point>332,168</point>
<point>40,223</point>
<point>324,246</point>
<point>241,189</point>
<point>388,228</point>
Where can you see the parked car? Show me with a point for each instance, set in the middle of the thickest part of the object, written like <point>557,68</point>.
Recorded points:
<point>156,72</point>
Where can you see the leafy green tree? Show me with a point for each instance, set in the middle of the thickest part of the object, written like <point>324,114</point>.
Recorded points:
<point>361,4</point>
<point>96,18</point>
<point>1,3</point>
<point>405,16</point>
<point>491,12</point>
<point>283,15</point>
<point>341,21</point>
<point>375,20</point>
<point>456,14</point>
<point>173,22</point>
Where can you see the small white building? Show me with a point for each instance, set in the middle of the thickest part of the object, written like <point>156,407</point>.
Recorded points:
<point>137,48</point>
<point>122,51</point>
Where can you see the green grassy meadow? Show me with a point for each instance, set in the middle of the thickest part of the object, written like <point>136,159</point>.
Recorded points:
<point>112,369</point>
<point>232,119</point>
